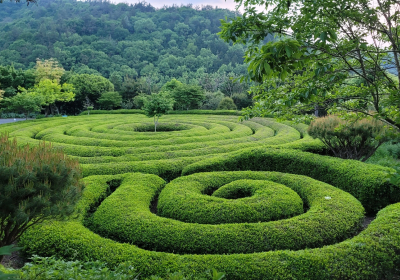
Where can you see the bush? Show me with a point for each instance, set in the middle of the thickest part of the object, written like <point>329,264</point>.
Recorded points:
<point>241,201</point>
<point>349,139</point>
<point>334,219</point>
<point>226,104</point>
<point>368,183</point>
<point>49,268</point>
<point>36,184</point>
<point>372,254</point>
<point>110,100</point>
<point>212,100</point>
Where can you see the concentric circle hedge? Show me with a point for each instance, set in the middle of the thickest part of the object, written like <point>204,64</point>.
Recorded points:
<point>248,199</point>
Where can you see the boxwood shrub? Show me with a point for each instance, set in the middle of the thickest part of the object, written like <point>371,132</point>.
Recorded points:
<point>241,201</point>
<point>125,216</point>
<point>368,183</point>
<point>372,254</point>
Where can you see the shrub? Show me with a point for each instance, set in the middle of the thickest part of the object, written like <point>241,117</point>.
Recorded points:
<point>368,183</point>
<point>125,215</point>
<point>349,139</point>
<point>372,254</point>
<point>226,104</point>
<point>109,100</point>
<point>36,184</point>
<point>241,201</point>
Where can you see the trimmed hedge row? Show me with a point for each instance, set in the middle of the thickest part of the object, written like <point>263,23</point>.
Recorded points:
<point>372,254</point>
<point>125,216</point>
<point>185,199</point>
<point>367,182</point>
<point>178,112</point>
<point>238,134</point>
<point>62,131</point>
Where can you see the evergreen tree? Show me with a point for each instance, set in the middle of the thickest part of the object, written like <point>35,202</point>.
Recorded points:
<point>36,184</point>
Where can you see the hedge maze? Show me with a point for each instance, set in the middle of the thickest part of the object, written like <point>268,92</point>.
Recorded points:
<point>256,200</point>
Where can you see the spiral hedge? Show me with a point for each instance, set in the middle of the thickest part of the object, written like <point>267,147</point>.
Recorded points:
<point>256,200</point>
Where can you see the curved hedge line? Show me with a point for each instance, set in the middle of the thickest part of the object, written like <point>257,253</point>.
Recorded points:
<point>368,183</point>
<point>370,255</point>
<point>109,144</point>
<point>240,201</point>
<point>96,141</point>
<point>177,112</point>
<point>125,216</point>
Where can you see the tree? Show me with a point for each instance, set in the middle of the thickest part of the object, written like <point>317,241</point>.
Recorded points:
<point>212,100</point>
<point>90,86</point>
<point>188,96</point>
<point>11,79</point>
<point>51,91</point>
<point>318,49</point>
<point>25,101</point>
<point>227,104</point>
<point>349,139</point>
<point>171,85</point>
<point>110,100</point>
<point>156,105</point>
<point>36,184</point>
<point>48,69</point>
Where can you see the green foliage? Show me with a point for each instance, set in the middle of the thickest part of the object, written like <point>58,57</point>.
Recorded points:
<point>48,69</point>
<point>355,258</point>
<point>239,201</point>
<point>319,59</point>
<point>51,268</point>
<point>46,268</point>
<point>52,91</point>
<point>36,184</point>
<point>186,96</point>
<point>89,87</point>
<point>349,139</point>
<point>226,104</point>
<point>122,206</point>
<point>171,85</point>
<point>118,40</point>
<point>26,102</point>
<point>135,193</point>
<point>110,100</point>
<point>156,105</point>
<point>11,79</point>
<point>139,99</point>
<point>212,100</point>
<point>368,183</point>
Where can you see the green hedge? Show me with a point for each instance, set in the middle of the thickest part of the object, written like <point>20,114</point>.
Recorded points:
<point>368,183</point>
<point>179,112</point>
<point>125,216</point>
<point>112,112</point>
<point>372,254</point>
<point>100,139</point>
<point>184,199</point>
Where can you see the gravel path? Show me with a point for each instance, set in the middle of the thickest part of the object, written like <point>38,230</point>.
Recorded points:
<point>3,121</point>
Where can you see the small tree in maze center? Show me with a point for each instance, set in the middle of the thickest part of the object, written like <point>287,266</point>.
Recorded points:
<point>156,105</point>
<point>36,184</point>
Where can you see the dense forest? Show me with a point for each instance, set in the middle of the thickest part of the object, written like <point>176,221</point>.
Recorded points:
<point>97,36</point>
<point>136,46</point>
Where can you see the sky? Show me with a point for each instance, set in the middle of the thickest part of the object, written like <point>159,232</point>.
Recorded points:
<point>228,4</point>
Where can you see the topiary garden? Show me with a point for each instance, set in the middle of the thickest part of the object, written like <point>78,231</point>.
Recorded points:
<point>256,199</point>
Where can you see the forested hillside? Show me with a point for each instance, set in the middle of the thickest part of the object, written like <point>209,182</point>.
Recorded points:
<point>118,40</point>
